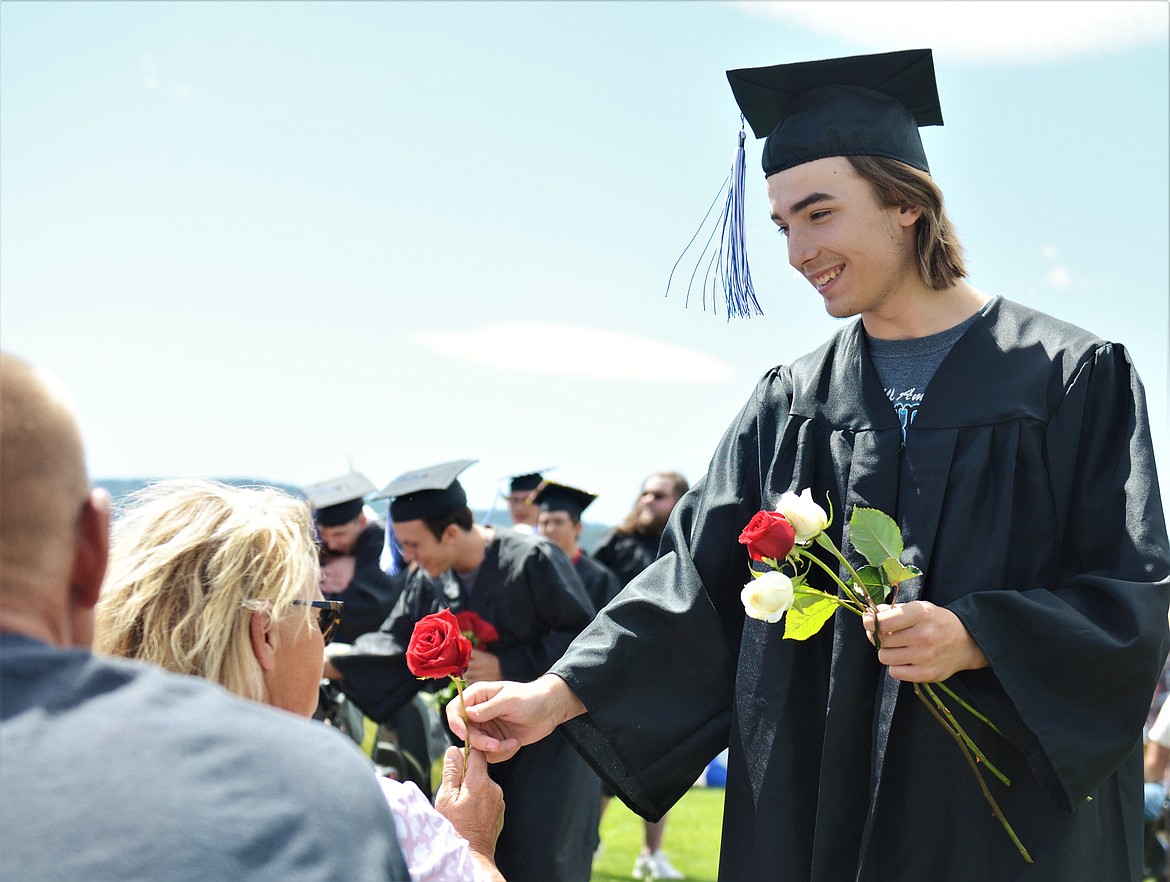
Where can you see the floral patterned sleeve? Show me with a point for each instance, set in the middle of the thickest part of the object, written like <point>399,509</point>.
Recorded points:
<point>434,851</point>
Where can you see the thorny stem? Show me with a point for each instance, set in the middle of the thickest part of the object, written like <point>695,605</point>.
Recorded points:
<point>980,717</point>
<point>995,810</point>
<point>954,724</point>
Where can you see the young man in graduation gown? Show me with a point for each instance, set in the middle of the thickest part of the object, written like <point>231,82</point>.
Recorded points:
<point>351,550</point>
<point>526,588</point>
<point>559,521</point>
<point>521,508</point>
<point>1024,485</point>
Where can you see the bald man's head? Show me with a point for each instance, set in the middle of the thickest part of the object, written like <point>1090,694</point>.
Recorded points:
<point>49,521</point>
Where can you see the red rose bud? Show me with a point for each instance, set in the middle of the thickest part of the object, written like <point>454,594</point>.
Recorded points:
<point>437,648</point>
<point>768,535</point>
<point>480,631</point>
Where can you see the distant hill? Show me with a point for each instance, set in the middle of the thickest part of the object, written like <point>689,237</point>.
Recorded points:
<point>120,487</point>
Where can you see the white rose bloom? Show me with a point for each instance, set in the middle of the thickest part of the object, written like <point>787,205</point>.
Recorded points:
<point>807,518</point>
<point>767,597</point>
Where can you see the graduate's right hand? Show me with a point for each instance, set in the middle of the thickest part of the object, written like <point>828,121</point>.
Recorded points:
<point>504,716</point>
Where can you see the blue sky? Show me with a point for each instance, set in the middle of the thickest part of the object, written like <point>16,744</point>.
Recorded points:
<point>277,239</point>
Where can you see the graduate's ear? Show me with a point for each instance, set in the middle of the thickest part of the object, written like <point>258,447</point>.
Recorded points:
<point>263,635</point>
<point>450,533</point>
<point>908,214</point>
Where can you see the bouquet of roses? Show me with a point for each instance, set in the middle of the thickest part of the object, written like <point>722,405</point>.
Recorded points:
<point>441,646</point>
<point>783,542</point>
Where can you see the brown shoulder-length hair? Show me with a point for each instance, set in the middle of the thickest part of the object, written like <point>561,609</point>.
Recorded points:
<point>940,256</point>
<point>629,523</point>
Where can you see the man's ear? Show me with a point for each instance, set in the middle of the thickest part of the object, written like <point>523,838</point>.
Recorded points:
<point>908,214</point>
<point>262,634</point>
<point>451,532</point>
<point>91,550</point>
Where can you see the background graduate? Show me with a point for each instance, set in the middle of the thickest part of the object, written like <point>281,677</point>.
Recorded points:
<point>526,588</point>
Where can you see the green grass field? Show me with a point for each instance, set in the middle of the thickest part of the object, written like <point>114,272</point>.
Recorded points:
<point>692,837</point>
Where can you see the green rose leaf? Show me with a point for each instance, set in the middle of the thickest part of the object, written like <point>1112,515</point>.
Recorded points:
<point>897,572</point>
<point>875,535</point>
<point>875,583</point>
<point>808,614</point>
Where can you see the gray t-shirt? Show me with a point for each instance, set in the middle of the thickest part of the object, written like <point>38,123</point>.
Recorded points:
<point>906,367</point>
<point>114,770</point>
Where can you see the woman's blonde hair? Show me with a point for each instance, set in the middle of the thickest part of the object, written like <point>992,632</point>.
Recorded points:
<point>190,560</point>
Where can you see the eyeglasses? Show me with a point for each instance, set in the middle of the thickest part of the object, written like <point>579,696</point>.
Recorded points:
<point>329,618</point>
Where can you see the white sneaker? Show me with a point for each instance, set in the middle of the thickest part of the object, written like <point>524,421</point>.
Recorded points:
<point>662,868</point>
<point>643,868</point>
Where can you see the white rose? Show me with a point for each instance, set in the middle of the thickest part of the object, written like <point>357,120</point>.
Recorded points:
<point>807,518</point>
<point>767,597</point>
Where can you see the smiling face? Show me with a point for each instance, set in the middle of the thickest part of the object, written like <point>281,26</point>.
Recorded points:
<point>419,546</point>
<point>856,252</point>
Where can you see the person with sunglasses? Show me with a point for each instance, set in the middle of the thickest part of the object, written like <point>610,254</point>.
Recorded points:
<point>222,582</point>
<point>112,769</point>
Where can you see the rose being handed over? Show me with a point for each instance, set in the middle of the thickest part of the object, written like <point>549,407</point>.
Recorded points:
<point>438,648</point>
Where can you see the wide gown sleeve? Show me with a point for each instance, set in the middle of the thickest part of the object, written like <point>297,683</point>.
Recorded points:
<point>1073,666</point>
<point>656,669</point>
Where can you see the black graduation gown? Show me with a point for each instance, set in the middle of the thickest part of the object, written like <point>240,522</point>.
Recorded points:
<point>626,554</point>
<point>528,589</point>
<point>371,594</point>
<point>1027,493</point>
<point>600,583</point>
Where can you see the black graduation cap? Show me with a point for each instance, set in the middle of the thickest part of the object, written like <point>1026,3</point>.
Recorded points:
<point>426,493</point>
<point>862,105</point>
<point>338,500</point>
<point>519,483</point>
<point>551,496</point>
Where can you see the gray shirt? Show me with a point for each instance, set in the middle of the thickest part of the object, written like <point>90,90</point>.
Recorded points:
<point>113,770</point>
<point>906,367</point>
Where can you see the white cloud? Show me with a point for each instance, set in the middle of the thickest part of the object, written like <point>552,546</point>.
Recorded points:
<point>569,350</point>
<point>153,82</point>
<point>1059,277</point>
<point>982,30</point>
<point>1049,251</point>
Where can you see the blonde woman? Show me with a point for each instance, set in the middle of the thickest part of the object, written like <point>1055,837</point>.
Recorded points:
<point>223,582</point>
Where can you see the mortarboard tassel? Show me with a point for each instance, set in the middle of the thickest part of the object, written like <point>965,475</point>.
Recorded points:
<point>727,266</point>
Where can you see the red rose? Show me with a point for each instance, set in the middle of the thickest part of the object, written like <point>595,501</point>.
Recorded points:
<point>768,535</point>
<point>437,648</point>
<point>479,631</point>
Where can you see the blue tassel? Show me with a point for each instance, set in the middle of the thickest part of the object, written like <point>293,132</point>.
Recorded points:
<point>727,271</point>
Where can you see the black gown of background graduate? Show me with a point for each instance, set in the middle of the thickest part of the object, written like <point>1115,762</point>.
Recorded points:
<point>1027,493</point>
<point>527,588</point>
<point>371,594</point>
<point>626,554</point>
<point>600,583</point>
